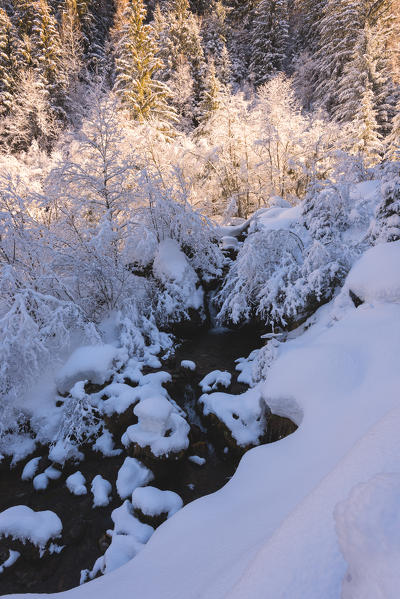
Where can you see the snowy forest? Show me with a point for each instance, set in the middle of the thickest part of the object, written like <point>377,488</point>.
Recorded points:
<point>200,298</point>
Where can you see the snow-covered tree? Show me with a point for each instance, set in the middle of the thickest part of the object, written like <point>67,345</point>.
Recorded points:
<point>137,67</point>
<point>9,51</point>
<point>269,39</point>
<point>386,227</point>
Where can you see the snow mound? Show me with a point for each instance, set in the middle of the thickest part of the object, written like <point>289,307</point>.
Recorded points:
<point>101,490</point>
<point>375,277</point>
<point>76,483</point>
<point>368,528</point>
<point>154,502</point>
<point>188,364</point>
<point>132,474</point>
<point>242,414</point>
<point>160,427</point>
<point>23,524</point>
<point>195,459</point>
<point>90,363</point>
<point>218,377</point>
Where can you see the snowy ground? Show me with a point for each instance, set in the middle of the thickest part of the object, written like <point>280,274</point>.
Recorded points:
<point>287,525</point>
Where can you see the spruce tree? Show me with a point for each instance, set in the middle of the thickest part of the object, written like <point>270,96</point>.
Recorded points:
<point>137,65</point>
<point>214,40</point>
<point>9,54</point>
<point>47,55</point>
<point>178,31</point>
<point>393,140</point>
<point>210,101</point>
<point>269,40</point>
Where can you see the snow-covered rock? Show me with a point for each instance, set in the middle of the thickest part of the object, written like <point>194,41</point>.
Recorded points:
<point>154,502</point>
<point>23,524</point>
<point>94,363</point>
<point>132,474</point>
<point>160,428</point>
<point>76,483</point>
<point>188,364</point>
<point>243,415</point>
<point>30,469</point>
<point>101,490</point>
<point>217,377</point>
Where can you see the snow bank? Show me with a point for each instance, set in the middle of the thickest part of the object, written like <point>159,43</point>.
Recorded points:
<point>154,502</point>
<point>132,474</point>
<point>23,524</point>
<point>368,528</point>
<point>90,363</point>
<point>375,277</point>
<point>125,523</point>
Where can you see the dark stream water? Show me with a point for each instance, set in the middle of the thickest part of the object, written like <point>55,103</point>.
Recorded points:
<point>84,527</point>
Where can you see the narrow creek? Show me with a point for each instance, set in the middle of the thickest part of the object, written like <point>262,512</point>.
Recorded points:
<point>85,528</point>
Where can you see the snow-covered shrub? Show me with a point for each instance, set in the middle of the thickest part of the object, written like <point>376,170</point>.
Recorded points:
<point>281,274</point>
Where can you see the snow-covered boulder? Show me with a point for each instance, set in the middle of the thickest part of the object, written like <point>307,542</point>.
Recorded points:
<point>214,379</point>
<point>101,490</point>
<point>94,363</point>
<point>29,532</point>
<point>76,484</point>
<point>153,506</point>
<point>160,432</point>
<point>235,420</point>
<point>132,474</point>
<point>375,277</point>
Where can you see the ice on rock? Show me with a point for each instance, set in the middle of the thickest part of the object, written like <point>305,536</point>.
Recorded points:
<point>30,469</point>
<point>242,414</point>
<point>93,363</point>
<point>375,277</point>
<point>188,364</point>
<point>160,427</point>
<point>23,524</point>
<point>368,528</point>
<point>217,377</point>
<point>76,483</point>
<point>101,490</point>
<point>132,474</point>
<point>153,502</point>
